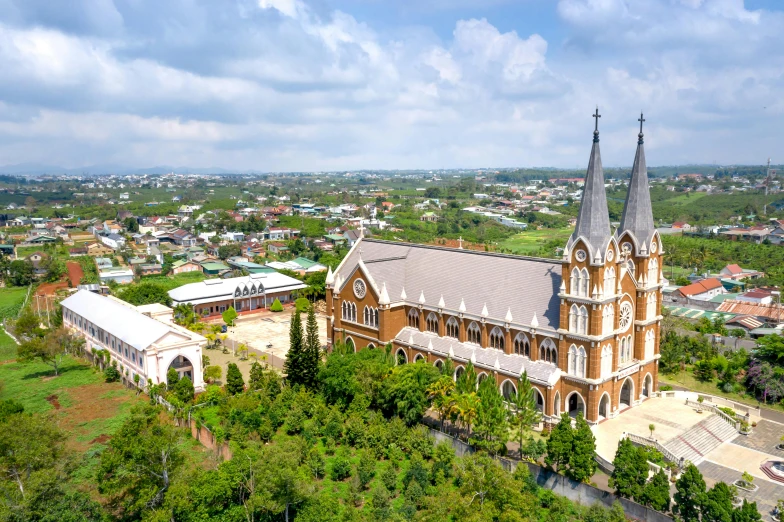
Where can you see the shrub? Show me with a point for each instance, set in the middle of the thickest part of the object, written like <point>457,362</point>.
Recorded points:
<point>341,467</point>
<point>276,306</point>
<point>302,304</point>
<point>111,374</point>
<point>665,387</point>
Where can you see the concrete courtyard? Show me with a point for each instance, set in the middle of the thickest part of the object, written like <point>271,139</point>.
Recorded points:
<point>670,416</point>
<point>259,331</point>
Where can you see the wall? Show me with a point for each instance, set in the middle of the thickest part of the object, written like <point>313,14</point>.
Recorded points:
<point>578,492</point>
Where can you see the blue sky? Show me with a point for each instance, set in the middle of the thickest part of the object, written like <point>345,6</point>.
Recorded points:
<point>280,85</point>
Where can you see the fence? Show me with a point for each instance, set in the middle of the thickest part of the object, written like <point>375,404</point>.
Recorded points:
<point>645,441</point>
<point>715,409</point>
<point>578,492</point>
<point>690,395</point>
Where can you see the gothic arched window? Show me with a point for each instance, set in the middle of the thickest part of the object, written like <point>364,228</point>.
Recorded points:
<point>650,342</point>
<point>431,324</point>
<point>413,318</point>
<point>548,352</point>
<point>609,281</point>
<point>521,345</point>
<point>497,338</point>
<point>653,271</point>
<point>607,354</point>
<point>608,319</point>
<point>452,328</point>
<point>473,333</point>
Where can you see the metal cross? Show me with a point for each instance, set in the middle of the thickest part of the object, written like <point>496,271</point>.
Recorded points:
<point>597,116</point>
<point>641,120</point>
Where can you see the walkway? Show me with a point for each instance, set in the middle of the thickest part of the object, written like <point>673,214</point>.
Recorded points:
<point>765,497</point>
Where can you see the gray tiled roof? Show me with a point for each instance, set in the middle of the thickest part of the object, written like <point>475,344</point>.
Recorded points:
<point>593,220</point>
<point>637,212</point>
<point>524,286</point>
<point>484,358</point>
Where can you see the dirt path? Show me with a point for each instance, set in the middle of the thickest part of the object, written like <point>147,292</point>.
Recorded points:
<point>75,273</point>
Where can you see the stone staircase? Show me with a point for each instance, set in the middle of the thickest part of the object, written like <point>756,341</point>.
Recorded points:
<point>701,439</point>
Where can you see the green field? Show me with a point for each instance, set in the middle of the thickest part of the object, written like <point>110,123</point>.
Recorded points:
<point>687,380</point>
<point>174,281</point>
<point>686,198</point>
<point>11,300</point>
<point>531,242</point>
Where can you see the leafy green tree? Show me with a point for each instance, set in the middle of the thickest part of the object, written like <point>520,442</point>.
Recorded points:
<point>771,347</point>
<point>405,391</point>
<point>256,379</point>
<point>656,493</point>
<point>172,377</point>
<point>630,470</point>
<point>747,512</point>
<point>50,350</point>
<point>20,273</point>
<point>234,382</point>
<point>213,373</point>
<point>184,389</point>
<point>366,468</point>
<point>559,443</point>
<point>276,306</point>
<point>690,494</point>
<point>146,293</point>
<point>295,357</point>
<point>9,407</point>
<point>229,316</point>
<point>523,413</point>
<point>230,250</point>
<point>111,374</point>
<point>136,469</point>
<point>440,394</point>
<point>582,464</point>
<point>717,504</point>
<point>467,380</point>
<point>491,429</point>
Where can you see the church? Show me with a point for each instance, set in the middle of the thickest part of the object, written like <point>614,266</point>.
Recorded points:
<point>585,328</point>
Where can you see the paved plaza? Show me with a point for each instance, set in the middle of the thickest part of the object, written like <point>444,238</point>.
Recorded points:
<point>268,332</point>
<point>766,496</point>
<point>670,416</point>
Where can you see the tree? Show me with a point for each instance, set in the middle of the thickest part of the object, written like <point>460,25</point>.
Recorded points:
<point>523,413</point>
<point>276,306</point>
<point>20,273</point>
<point>656,493</point>
<point>213,373</point>
<point>50,350</point>
<point>30,447</point>
<point>717,504</point>
<point>312,351</point>
<point>256,376</point>
<point>491,429</point>
<point>131,225</point>
<point>582,464</point>
<point>440,395</point>
<point>294,365</point>
<point>229,316</point>
<point>366,468</point>
<point>146,293</point>
<point>137,467</point>
<point>184,390</point>
<point>172,377</point>
<point>630,470</point>
<point>234,382</point>
<point>690,494</point>
<point>404,392</point>
<point>559,443</point>
<point>651,428</point>
<point>230,250</point>
<point>747,512</point>
<point>771,347</point>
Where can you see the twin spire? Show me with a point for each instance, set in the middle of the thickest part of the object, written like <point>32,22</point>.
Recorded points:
<point>593,220</point>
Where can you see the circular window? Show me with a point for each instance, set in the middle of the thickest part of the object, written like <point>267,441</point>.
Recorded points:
<point>625,319</point>
<point>654,247</point>
<point>359,288</point>
<point>627,248</point>
<point>580,255</point>
<point>610,254</point>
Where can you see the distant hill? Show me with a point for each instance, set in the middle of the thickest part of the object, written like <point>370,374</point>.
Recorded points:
<point>93,170</point>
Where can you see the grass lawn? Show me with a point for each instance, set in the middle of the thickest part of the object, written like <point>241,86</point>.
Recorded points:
<point>686,198</point>
<point>530,241</point>
<point>11,299</point>
<point>7,347</point>
<point>687,380</point>
<point>174,281</point>
<point>85,406</point>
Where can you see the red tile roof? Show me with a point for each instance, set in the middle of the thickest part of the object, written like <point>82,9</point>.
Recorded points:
<point>700,287</point>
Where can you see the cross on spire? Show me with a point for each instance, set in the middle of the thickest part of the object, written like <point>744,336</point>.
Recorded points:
<point>596,115</point>
<point>641,120</point>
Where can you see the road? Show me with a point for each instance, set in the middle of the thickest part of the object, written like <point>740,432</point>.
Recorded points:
<point>765,412</point>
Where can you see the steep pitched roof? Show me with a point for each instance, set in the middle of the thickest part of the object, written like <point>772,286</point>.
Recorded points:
<point>526,286</point>
<point>700,287</point>
<point>593,220</point>
<point>637,215</point>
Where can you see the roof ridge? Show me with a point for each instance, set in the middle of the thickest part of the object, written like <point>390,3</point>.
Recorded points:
<point>462,251</point>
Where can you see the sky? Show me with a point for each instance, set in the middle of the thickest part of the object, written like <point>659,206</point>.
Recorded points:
<point>322,85</point>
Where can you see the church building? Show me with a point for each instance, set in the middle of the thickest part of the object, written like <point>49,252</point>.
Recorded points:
<point>585,328</point>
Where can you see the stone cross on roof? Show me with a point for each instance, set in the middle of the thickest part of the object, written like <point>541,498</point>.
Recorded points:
<point>596,116</point>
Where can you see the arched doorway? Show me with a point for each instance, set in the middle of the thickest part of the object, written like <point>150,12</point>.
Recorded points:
<point>575,404</point>
<point>604,406</point>
<point>481,377</point>
<point>508,390</point>
<point>401,357</point>
<point>557,404</point>
<point>647,386</point>
<point>439,364</point>
<point>627,393</point>
<point>539,400</point>
<point>418,357</point>
<point>458,372</point>
<point>350,344</point>
<point>183,366</point>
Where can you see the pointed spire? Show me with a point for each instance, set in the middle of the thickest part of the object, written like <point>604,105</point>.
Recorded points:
<point>595,293</point>
<point>403,295</point>
<point>534,321</point>
<point>508,317</point>
<point>384,297</point>
<point>473,356</point>
<point>563,287</point>
<point>411,339</point>
<point>462,307</point>
<point>430,345</point>
<point>451,351</point>
<point>485,313</point>
<point>637,215</point>
<point>441,303</point>
<point>497,364</point>
<point>330,280</point>
<point>338,282</point>
<point>593,220</point>
<point>422,298</point>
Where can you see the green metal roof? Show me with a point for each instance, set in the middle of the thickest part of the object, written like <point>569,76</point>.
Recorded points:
<point>214,266</point>
<point>304,262</point>
<point>696,313</point>
<point>335,237</point>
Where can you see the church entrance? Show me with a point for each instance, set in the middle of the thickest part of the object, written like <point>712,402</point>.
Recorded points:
<point>627,392</point>
<point>647,387</point>
<point>604,406</point>
<point>575,404</point>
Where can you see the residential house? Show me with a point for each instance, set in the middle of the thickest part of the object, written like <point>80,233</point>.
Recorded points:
<point>351,237</point>
<point>37,259</point>
<point>213,268</point>
<point>114,241</point>
<point>429,217</point>
<point>681,225</point>
<point>702,290</point>
<point>117,274</point>
<point>737,273</point>
<point>77,251</point>
<point>276,247</point>
<point>182,266</point>
<point>103,263</point>
<point>757,296</point>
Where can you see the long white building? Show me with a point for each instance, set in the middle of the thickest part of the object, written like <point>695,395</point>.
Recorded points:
<point>143,340</point>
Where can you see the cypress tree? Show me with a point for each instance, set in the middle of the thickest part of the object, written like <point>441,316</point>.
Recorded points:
<point>312,350</point>
<point>559,443</point>
<point>582,464</point>
<point>690,494</point>
<point>294,357</point>
<point>234,382</point>
<point>631,470</point>
<point>656,493</point>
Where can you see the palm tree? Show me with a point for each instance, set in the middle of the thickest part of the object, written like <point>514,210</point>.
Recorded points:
<point>467,405</point>
<point>440,395</point>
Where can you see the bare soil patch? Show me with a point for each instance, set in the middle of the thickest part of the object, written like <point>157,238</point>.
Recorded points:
<point>51,288</point>
<point>101,439</point>
<point>52,399</point>
<point>75,273</point>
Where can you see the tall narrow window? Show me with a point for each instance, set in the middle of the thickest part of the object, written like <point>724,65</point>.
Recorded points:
<point>585,283</point>
<point>413,318</point>
<point>608,319</point>
<point>653,271</point>
<point>607,353</point>
<point>521,345</point>
<point>452,328</point>
<point>473,334</point>
<point>548,352</point>
<point>609,281</point>
<point>431,323</point>
<point>497,338</point>
<point>650,342</point>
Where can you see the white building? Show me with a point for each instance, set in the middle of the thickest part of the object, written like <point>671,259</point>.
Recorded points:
<point>142,340</point>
